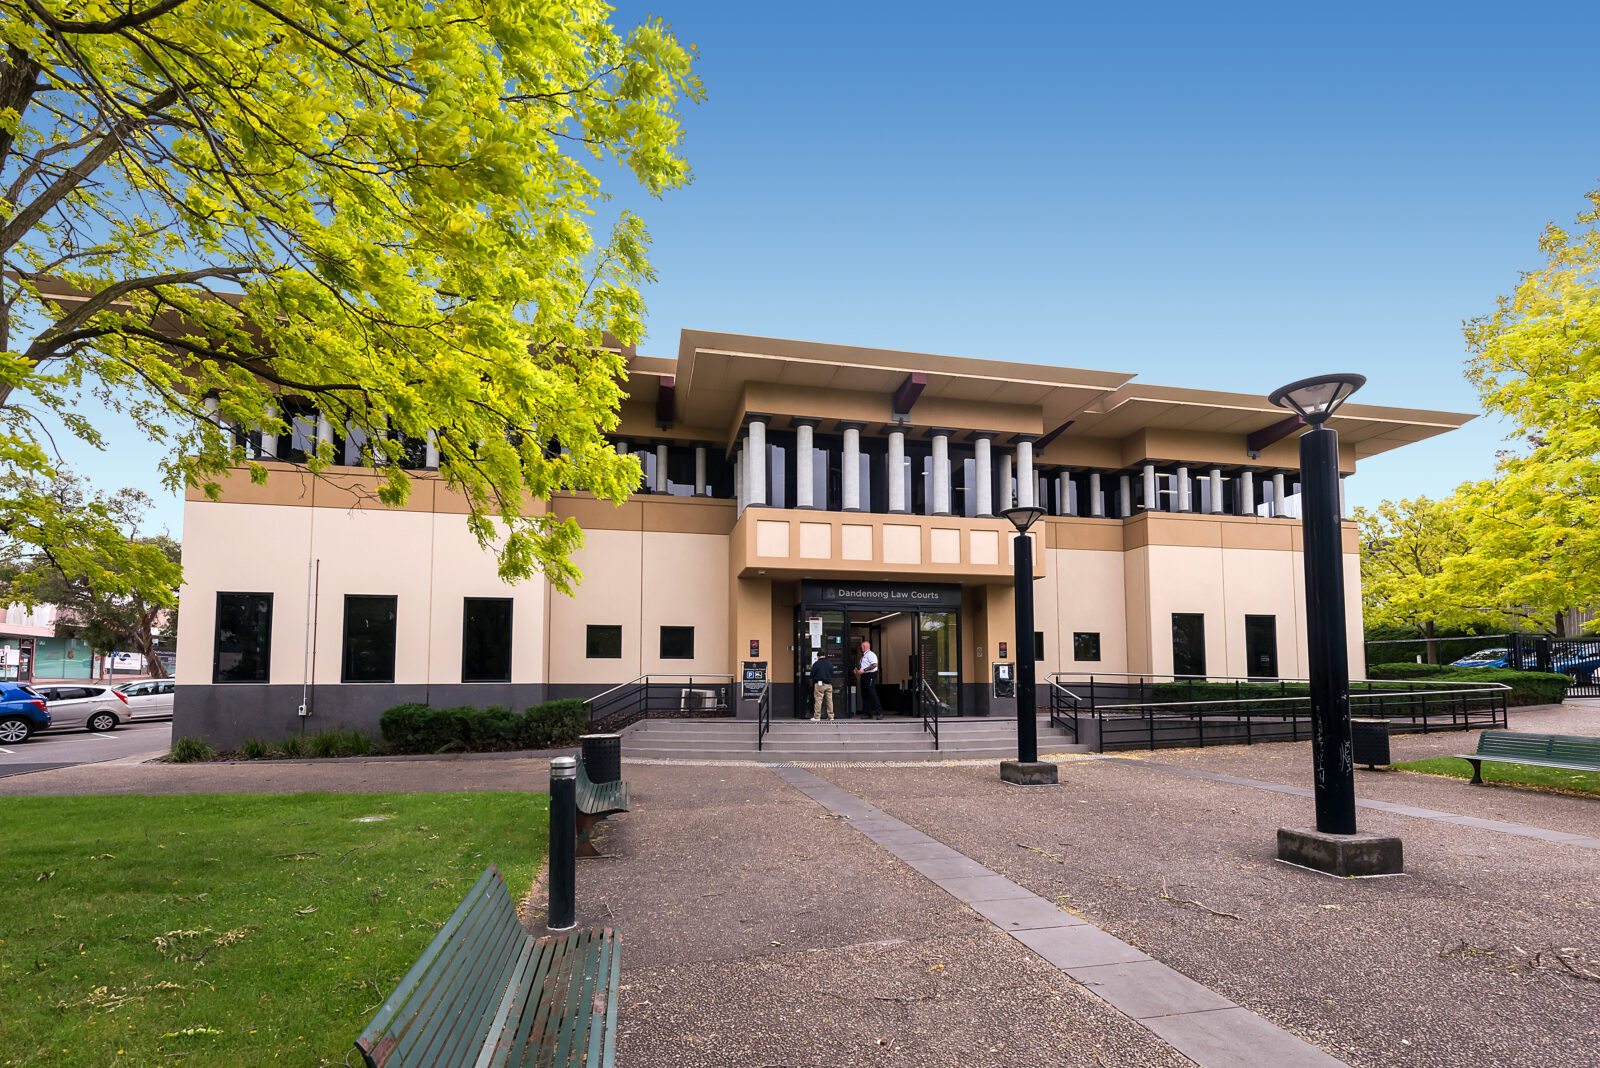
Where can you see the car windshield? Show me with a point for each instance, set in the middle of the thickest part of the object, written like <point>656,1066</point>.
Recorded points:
<point>1487,654</point>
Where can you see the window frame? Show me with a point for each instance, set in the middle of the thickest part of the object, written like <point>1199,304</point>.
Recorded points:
<point>510,638</point>
<point>589,639</point>
<point>1094,635</point>
<point>344,644</point>
<point>266,661</point>
<point>663,643</point>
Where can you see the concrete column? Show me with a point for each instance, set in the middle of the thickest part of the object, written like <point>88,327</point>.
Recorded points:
<point>659,483</point>
<point>1277,494</point>
<point>755,464</point>
<point>1005,481</point>
<point>897,470</point>
<point>431,459</point>
<point>1184,502</point>
<point>324,429</point>
<point>804,462</point>
<point>621,448</point>
<point>1152,500</point>
<point>700,489</point>
<point>1216,491</point>
<point>1097,502</point>
<point>1125,496</point>
<point>983,476</point>
<point>1341,497</point>
<point>269,441</point>
<point>1247,493</point>
<point>1065,495</point>
<point>850,470</point>
<point>1027,485</point>
<point>941,475</point>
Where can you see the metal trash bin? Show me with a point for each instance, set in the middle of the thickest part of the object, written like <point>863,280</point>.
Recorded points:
<point>602,757</point>
<point>1370,741</point>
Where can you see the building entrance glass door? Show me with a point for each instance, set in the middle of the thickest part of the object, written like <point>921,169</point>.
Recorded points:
<point>918,657</point>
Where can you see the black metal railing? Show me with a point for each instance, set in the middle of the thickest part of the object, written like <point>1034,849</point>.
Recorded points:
<point>932,710</point>
<point>1581,660</point>
<point>763,716</point>
<point>1121,713</point>
<point>661,697</point>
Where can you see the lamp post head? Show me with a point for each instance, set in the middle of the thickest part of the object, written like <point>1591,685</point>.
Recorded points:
<point>1023,517</point>
<point>1315,399</point>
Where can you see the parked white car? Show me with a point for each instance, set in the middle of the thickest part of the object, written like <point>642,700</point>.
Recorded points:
<point>149,698</point>
<point>99,708</point>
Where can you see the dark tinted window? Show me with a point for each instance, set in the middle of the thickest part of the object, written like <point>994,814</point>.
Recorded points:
<point>369,626</point>
<point>1188,644</point>
<point>677,643</point>
<point>486,640</point>
<point>1261,646</point>
<point>1086,645</point>
<point>243,649</point>
<point>1038,645</point>
<point>605,642</point>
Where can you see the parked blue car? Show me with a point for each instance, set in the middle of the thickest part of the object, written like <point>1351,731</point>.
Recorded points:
<point>1581,666</point>
<point>22,711</point>
<point>1493,658</point>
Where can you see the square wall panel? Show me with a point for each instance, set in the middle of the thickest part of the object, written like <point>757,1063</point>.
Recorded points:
<point>945,546</point>
<point>902,544</point>
<point>855,542</point>
<point>816,541</point>
<point>985,546</point>
<point>772,537</point>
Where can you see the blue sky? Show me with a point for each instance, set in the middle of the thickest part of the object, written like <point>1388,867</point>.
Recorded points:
<point>1222,196</point>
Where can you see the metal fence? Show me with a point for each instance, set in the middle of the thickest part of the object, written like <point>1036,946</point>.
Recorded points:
<point>661,697</point>
<point>1111,712</point>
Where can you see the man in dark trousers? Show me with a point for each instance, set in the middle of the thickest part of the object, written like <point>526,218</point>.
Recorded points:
<point>867,681</point>
<point>822,687</point>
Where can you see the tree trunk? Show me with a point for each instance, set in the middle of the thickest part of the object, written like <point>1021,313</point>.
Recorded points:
<point>147,646</point>
<point>1433,644</point>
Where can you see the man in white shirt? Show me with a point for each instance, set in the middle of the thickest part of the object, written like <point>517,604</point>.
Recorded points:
<point>867,681</point>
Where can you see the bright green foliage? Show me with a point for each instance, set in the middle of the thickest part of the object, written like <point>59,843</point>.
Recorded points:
<point>1535,526</point>
<point>421,728</point>
<point>1404,548</point>
<point>190,750</point>
<point>402,192</point>
<point>1557,780</point>
<point>230,931</point>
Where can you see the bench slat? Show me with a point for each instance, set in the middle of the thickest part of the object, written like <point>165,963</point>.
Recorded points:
<point>452,1006</point>
<point>530,1025</point>
<point>603,1040</point>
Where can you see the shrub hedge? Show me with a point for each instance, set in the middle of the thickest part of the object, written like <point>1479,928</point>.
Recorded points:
<point>421,728</point>
<point>1527,687</point>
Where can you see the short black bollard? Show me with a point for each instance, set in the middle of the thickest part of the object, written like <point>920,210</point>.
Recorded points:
<point>563,844</point>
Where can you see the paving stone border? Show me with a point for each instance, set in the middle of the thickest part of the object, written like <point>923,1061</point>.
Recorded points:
<point>1194,1019</point>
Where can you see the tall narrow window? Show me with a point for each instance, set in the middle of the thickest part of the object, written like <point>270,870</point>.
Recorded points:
<point>1261,646</point>
<point>369,632</point>
<point>486,639</point>
<point>677,643</point>
<point>1038,645</point>
<point>243,649</point>
<point>1188,644</point>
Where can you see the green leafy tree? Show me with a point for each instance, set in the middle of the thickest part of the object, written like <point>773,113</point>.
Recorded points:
<point>1405,548</point>
<point>1535,526</point>
<point>224,216</point>
<point>109,610</point>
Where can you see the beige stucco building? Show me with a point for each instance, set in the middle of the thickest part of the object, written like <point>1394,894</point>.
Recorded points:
<point>769,530</point>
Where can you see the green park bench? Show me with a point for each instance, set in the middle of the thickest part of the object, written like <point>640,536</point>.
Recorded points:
<point>1569,751</point>
<point>596,801</point>
<point>487,993</point>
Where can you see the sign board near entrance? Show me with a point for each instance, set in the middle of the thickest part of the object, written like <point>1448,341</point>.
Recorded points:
<point>753,680</point>
<point>907,595</point>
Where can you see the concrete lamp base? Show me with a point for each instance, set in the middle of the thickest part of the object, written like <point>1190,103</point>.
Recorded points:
<point>1032,773</point>
<point>1344,855</point>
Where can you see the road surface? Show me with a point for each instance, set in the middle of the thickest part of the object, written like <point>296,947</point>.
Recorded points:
<point>60,749</point>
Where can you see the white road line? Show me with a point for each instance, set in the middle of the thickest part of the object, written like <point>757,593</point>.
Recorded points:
<point>100,737</point>
<point>8,752</point>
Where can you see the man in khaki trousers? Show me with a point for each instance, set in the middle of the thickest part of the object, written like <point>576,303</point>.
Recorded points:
<point>821,687</point>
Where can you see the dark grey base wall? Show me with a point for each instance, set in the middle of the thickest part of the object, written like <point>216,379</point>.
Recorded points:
<point>227,715</point>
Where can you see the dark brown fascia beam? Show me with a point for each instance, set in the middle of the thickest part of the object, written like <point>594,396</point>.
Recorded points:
<point>907,394</point>
<point>666,391</point>
<point>1272,434</point>
<point>1056,433</point>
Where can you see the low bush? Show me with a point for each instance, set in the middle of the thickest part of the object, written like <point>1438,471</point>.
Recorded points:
<point>293,746</point>
<point>338,742</point>
<point>254,749</point>
<point>420,728</point>
<point>1527,687</point>
<point>189,750</point>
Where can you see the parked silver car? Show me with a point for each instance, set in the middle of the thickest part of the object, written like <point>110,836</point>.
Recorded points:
<point>149,698</point>
<point>99,708</point>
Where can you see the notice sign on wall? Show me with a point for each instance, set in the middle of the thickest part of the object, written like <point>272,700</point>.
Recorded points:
<point>755,648</point>
<point>814,626</point>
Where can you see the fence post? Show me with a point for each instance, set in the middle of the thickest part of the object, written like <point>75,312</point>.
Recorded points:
<point>563,844</point>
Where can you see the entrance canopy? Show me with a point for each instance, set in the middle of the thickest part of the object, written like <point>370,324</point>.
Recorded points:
<point>849,593</point>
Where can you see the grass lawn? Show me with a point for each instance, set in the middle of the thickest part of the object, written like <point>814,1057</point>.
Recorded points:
<point>1567,782</point>
<point>231,929</point>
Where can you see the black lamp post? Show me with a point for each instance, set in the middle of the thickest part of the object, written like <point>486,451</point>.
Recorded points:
<point>1027,769</point>
<point>1335,846</point>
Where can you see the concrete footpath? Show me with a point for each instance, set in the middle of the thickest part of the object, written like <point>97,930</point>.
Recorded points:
<point>1134,915</point>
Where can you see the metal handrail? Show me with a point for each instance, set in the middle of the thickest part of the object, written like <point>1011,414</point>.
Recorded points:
<point>763,716</point>
<point>1365,694</point>
<point>612,705</point>
<point>927,698</point>
<point>1251,680</point>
